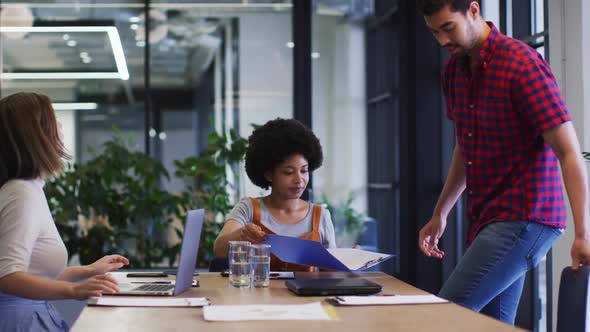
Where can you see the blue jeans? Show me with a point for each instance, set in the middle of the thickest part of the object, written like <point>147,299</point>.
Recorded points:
<point>490,276</point>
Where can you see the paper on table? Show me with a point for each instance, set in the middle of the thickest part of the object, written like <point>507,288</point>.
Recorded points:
<point>310,311</point>
<point>140,301</point>
<point>312,253</point>
<point>378,300</point>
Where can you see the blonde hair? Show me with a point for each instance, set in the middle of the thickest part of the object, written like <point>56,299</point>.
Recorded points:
<point>31,146</point>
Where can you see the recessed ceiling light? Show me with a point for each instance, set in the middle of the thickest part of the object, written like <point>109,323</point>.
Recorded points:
<point>74,106</point>
<point>290,44</point>
<point>116,45</point>
<point>72,43</point>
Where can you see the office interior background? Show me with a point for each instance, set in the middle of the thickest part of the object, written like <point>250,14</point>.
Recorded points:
<point>363,74</point>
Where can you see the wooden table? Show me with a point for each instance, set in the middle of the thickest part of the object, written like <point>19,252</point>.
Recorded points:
<point>423,317</point>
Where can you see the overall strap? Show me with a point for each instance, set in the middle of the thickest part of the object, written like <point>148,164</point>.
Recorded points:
<point>317,213</point>
<point>256,213</point>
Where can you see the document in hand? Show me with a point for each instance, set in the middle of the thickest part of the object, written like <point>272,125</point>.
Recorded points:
<point>312,253</point>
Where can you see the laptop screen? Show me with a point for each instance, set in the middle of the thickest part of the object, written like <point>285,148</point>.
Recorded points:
<point>189,250</point>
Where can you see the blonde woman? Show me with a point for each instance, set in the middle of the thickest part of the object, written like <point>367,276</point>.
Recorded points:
<point>32,254</point>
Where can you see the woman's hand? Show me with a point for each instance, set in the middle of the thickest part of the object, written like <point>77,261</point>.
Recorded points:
<point>108,263</point>
<point>252,233</point>
<point>95,286</point>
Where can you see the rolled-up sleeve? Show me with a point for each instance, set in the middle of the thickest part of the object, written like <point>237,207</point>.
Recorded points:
<point>327,232</point>
<point>242,212</point>
<point>18,231</point>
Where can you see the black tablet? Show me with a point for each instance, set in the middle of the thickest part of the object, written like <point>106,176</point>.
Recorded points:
<point>321,287</point>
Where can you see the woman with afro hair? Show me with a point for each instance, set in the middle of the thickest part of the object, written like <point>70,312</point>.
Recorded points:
<point>280,155</point>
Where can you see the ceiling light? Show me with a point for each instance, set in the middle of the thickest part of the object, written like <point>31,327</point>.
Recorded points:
<point>72,43</point>
<point>74,106</point>
<point>114,38</point>
<point>19,15</point>
<point>290,44</point>
<point>315,55</point>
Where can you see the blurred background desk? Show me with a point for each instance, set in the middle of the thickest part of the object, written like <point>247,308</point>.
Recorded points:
<point>425,317</point>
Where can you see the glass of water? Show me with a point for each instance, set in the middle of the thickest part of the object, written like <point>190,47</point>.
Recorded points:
<point>239,264</point>
<point>260,264</point>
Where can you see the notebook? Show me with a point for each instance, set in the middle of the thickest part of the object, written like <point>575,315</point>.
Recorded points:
<point>321,287</point>
<point>186,267</point>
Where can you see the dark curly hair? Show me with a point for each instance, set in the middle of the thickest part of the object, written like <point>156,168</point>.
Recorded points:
<point>274,142</point>
<point>430,7</point>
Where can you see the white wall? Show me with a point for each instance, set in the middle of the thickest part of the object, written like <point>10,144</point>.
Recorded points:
<point>339,117</point>
<point>569,32</point>
<point>266,75</point>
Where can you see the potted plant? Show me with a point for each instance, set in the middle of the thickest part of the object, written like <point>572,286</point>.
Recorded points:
<point>348,222</point>
<point>207,178</point>
<point>114,204</point>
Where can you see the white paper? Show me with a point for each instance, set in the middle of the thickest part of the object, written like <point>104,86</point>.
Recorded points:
<point>139,301</point>
<point>394,299</point>
<point>310,311</point>
<point>356,259</point>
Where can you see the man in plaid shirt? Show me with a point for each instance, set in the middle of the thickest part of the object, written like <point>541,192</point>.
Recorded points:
<point>513,132</point>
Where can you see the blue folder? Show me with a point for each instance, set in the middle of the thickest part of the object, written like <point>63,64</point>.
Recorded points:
<point>306,252</point>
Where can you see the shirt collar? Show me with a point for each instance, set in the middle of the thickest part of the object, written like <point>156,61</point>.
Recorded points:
<point>488,47</point>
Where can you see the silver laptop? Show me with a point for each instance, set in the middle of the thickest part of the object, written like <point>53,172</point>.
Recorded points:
<point>186,267</point>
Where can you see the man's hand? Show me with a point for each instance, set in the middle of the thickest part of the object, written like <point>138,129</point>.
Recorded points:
<point>429,236</point>
<point>580,252</point>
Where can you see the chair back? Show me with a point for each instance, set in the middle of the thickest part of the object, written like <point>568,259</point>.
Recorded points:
<point>573,306</point>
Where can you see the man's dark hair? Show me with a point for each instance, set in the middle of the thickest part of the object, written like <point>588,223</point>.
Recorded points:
<point>430,7</point>
<point>274,142</point>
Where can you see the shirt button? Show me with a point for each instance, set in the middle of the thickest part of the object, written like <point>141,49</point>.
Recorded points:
<point>469,134</point>
<point>471,106</point>
<point>470,192</point>
<point>469,163</point>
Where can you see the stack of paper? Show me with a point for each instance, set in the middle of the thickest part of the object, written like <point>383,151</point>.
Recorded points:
<point>140,301</point>
<point>380,300</point>
<point>310,311</point>
<point>306,252</point>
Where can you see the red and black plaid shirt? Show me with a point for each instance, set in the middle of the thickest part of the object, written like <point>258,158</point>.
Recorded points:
<point>500,113</point>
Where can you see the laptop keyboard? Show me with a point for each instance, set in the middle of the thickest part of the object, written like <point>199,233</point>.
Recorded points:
<point>155,288</point>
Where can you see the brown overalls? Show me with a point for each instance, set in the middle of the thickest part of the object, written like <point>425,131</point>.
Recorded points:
<point>275,263</point>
